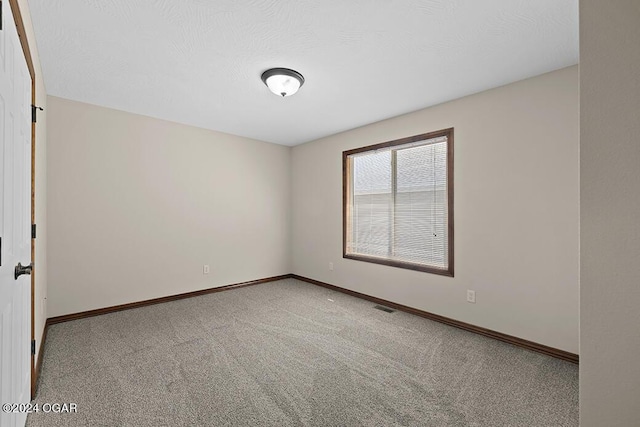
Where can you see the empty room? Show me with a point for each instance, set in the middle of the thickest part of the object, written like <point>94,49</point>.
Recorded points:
<point>303,213</point>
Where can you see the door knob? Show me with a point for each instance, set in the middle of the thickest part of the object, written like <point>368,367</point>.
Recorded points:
<point>22,269</point>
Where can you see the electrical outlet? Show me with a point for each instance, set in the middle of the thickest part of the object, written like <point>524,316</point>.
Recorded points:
<point>205,269</point>
<point>471,296</point>
<point>330,266</point>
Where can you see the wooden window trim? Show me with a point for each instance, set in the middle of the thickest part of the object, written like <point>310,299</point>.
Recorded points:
<point>346,194</point>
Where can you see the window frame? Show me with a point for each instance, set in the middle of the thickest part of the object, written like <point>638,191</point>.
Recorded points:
<point>346,188</point>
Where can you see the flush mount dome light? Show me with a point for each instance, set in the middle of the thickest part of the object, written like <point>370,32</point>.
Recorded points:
<point>282,81</point>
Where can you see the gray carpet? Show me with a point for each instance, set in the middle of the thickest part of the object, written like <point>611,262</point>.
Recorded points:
<point>289,353</point>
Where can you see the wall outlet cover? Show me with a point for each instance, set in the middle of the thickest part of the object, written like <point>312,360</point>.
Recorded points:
<point>471,296</point>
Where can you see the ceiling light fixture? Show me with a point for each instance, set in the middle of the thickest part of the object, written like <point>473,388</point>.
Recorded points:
<point>283,81</point>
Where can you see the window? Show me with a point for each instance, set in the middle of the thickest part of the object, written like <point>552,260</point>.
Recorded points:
<point>398,203</point>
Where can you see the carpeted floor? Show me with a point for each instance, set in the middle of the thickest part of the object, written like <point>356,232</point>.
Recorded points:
<point>289,353</point>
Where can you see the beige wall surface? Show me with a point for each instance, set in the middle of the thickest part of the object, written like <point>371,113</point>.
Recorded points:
<point>610,213</point>
<point>138,205</point>
<point>516,211</point>
<point>40,273</point>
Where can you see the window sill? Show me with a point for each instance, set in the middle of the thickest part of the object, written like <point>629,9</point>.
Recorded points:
<point>409,266</point>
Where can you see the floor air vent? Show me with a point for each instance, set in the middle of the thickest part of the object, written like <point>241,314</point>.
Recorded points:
<point>383,308</point>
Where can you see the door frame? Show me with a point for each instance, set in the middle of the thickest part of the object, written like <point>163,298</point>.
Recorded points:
<point>24,42</point>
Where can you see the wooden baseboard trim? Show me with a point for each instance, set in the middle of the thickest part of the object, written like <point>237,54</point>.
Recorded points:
<point>519,342</point>
<point>112,309</point>
<point>35,375</point>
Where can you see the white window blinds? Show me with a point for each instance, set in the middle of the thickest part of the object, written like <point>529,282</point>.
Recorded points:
<point>397,203</point>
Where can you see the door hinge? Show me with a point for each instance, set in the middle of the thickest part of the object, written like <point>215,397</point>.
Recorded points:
<point>33,231</point>
<point>33,347</point>
<point>34,109</point>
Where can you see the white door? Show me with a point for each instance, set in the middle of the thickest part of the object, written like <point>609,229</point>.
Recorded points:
<point>15,221</point>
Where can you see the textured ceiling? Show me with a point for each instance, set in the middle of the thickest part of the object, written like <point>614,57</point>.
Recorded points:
<point>199,62</point>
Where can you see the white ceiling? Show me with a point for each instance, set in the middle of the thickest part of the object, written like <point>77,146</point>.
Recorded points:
<point>199,62</point>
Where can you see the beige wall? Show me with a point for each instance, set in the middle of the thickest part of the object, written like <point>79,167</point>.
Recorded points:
<point>610,213</point>
<point>516,211</point>
<point>40,274</point>
<point>138,205</point>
